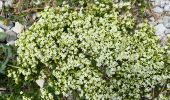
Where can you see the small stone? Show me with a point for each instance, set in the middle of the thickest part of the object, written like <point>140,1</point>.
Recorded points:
<point>167,8</point>
<point>160,29</point>
<point>8,3</point>
<point>167,25</point>
<point>11,43</point>
<point>11,24</point>
<point>158,10</point>
<point>160,3</point>
<point>153,23</point>
<point>40,82</point>
<point>167,31</point>
<point>18,27</point>
<point>157,2</point>
<point>34,16</point>
<point>12,36</point>
<point>163,40</point>
<point>152,19</point>
<point>164,20</point>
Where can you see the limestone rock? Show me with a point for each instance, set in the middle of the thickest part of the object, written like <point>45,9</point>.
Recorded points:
<point>167,8</point>
<point>12,36</point>
<point>40,82</point>
<point>18,27</point>
<point>11,43</point>
<point>158,10</point>
<point>160,29</point>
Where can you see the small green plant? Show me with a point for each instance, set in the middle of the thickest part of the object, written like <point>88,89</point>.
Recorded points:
<point>94,52</point>
<point>6,54</point>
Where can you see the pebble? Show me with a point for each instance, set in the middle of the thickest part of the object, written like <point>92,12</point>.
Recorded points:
<point>160,29</point>
<point>160,3</point>
<point>167,31</point>
<point>18,27</point>
<point>34,16</point>
<point>11,24</point>
<point>153,23</point>
<point>40,82</point>
<point>167,25</point>
<point>164,20</point>
<point>11,43</point>
<point>163,39</point>
<point>158,10</point>
<point>167,8</point>
<point>152,19</point>
<point>8,3</point>
<point>12,36</point>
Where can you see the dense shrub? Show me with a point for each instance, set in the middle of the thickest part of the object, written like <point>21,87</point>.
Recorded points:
<point>95,52</point>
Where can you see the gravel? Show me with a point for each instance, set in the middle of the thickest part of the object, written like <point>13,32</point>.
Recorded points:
<point>167,8</point>
<point>160,29</point>
<point>162,23</point>
<point>158,10</point>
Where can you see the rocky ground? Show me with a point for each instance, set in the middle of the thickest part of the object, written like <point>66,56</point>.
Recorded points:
<point>159,19</point>
<point>9,28</point>
<point>12,30</point>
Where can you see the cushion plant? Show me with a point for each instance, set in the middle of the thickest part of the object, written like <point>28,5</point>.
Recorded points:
<point>95,52</point>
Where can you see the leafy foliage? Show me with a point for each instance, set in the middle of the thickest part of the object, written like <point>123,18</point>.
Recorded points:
<point>94,52</point>
<point>6,55</point>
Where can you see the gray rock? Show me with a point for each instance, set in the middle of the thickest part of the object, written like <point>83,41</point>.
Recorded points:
<point>18,27</point>
<point>167,8</point>
<point>167,31</point>
<point>10,25</point>
<point>40,82</point>
<point>160,29</point>
<point>167,25</point>
<point>158,10</point>
<point>11,43</point>
<point>160,3</point>
<point>163,40</point>
<point>157,2</point>
<point>12,36</point>
<point>4,27</point>
<point>8,3</point>
<point>34,16</point>
<point>152,19</point>
<point>164,20</point>
<point>153,23</point>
